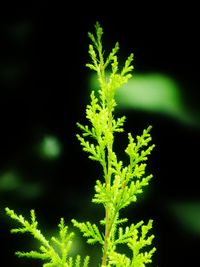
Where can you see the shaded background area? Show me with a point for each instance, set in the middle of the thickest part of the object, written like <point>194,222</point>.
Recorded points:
<point>44,87</point>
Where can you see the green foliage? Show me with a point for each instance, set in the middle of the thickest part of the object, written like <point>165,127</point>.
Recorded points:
<point>54,252</point>
<point>120,184</point>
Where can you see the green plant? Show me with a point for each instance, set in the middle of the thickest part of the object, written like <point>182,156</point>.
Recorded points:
<point>120,183</point>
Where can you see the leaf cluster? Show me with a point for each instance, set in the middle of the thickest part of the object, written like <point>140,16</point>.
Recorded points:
<point>136,238</point>
<point>127,181</point>
<point>121,182</point>
<point>53,252</point>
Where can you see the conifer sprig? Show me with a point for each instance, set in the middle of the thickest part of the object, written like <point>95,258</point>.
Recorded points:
<point>121,183</point>
<point>53,252</point>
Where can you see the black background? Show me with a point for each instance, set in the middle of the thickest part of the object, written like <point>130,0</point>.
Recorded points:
<point>43,90</point>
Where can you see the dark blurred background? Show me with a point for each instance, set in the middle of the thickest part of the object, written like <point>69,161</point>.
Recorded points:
<point>44,88</point>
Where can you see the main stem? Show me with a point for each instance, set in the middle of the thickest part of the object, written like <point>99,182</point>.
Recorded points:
<point>108,174</point>
<point>107,167</point>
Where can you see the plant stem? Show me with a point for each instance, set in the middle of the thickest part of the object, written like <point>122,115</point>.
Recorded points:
<point>105,249</point>
<point>108,174</point>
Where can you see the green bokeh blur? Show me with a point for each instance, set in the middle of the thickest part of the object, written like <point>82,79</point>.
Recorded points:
<point>50,147</point>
